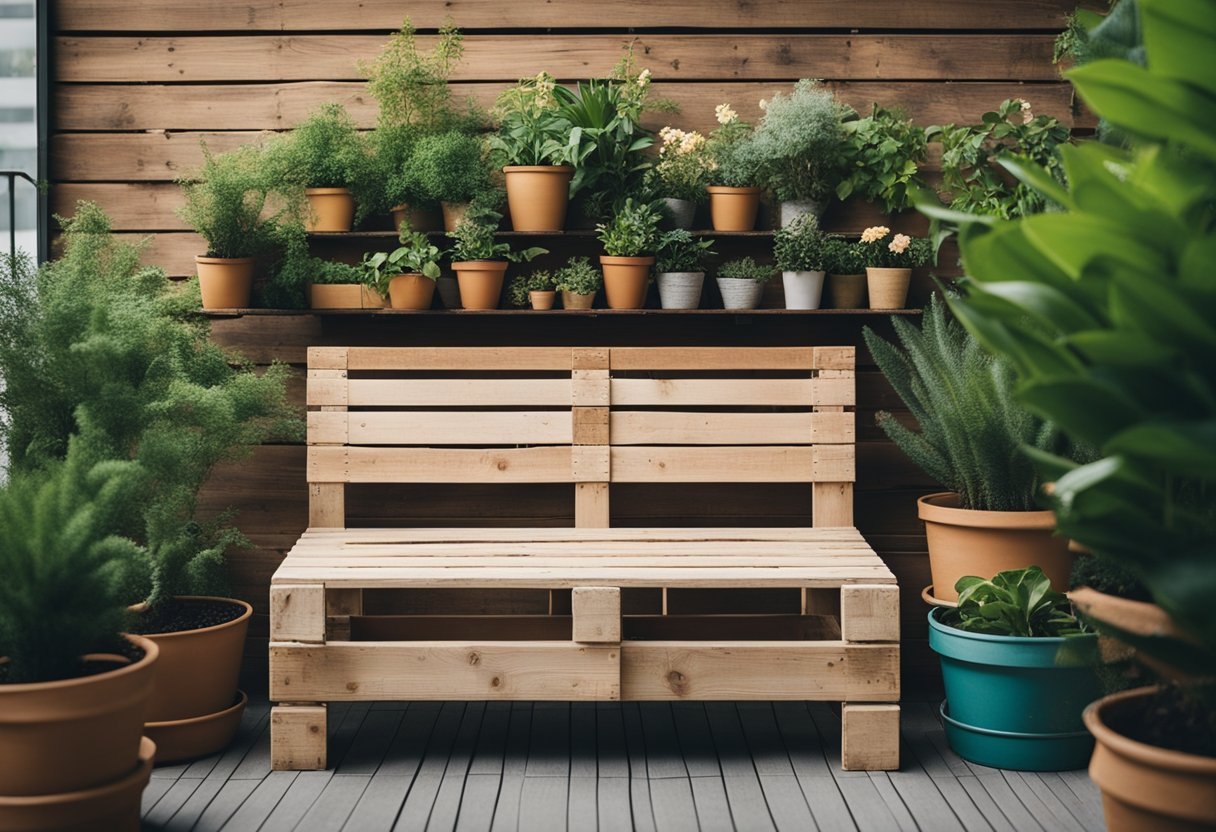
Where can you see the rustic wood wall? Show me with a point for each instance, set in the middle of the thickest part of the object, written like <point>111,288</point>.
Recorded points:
<point>140,82</point>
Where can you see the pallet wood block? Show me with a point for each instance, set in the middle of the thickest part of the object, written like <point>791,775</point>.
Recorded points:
<point>587,417</point>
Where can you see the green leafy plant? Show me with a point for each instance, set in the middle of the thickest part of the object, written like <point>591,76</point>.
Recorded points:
<point>226,203</point>
<point>842,256</point>
<point>797,143</point>
<point>971,430</point>
<point>1019,602</point>
<point>680,251</point>
<point>331,272</point>
<point>731,161</point>
<point>746,268</point>
<point>880,249</point>
<point>473,239</point>
<point>522,284</point>
<point>416,255</point>
<point>633,230</point>
<point>1092,36</point>
<point>801,246</point>
<point>882,155</point>
<point>579,277</point>
<point>682,171</point>
<point>392,155</point>
<point>531,131</point>
<point>448,167</point>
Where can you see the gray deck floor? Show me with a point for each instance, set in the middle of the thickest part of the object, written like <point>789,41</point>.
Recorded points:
<point>550,766</point>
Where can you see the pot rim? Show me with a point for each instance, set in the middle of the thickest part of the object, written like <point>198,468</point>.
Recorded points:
<point>223,261</point>
<point>1155,756</point>
<point>559,169</point>
<point>480,265</point>
<point>151,651</point>
<point>730,189</point>
<point>326,191</point>
<point>930,508</point>
<point>542,292</point>
<point>618,260</point>
<point>888,269</point>
<point>242,699</point>
<point>147,754</point>
<point>741,280</point>
<point>1012,735</point>
<point>932,600</point>
<point>244,616</point>
<point>955,632</point>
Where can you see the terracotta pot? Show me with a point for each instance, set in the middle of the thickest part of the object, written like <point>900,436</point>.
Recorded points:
<point>542,301</point>
<point>343,296</point>
<point>112,807</point>
<point>966,542</point>
<point>847,291</point>
<point>449,291</point>
<point>571,300</point>
<point>683,212</point>
<point>537,196</point>
<point>803,290</point>
<point>411,291</point>
<point>421,219</point>
<point>680,290</point>
<point>225,282</point>
<point>74,734</point>
<point>1143,786</point>
<point>188,739</point>
<point>329,209</point>
<point>625,280</point>
<point>453,213</point>
<point>733,209</point>
<point>480,282</point>
<point>738,293</point>
<point>888,288</point>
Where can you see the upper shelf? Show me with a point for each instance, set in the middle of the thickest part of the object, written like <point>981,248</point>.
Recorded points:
<point>573,232</point>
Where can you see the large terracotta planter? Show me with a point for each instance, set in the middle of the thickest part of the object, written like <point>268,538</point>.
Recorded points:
<point>625,280</point>
<point>188,739</point>
<point>411,291</point>
<point>480,282</point>
<point>537,196</point>
<point>888,288</point>
<point>733,209</point>
<point>847,291</point>
<point>965,542</point>
<point>1145,787</point>
<point>329,209</point>
<point>420,219</point>
<point>573,300</point>
<point>343,296</point>
<point>75,734</point>
<point>453,214</point>
<point>225,282</point>
<point>113,807</point>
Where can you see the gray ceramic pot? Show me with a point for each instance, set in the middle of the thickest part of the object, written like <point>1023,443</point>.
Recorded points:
<point>803,290</point>
<point>680,290</point>
<point>740,294</point>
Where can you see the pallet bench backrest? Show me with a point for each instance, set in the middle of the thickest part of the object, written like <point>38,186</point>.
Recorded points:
<point>589,416</point>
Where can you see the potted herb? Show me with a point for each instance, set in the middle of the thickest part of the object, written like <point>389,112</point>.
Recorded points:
<point>393,152</point>
<point>449,169</point>
<point>889,262</point>
<point>225,202</point>
<point>734,196</point>
<point>537,289</point>
<point>578,281</point>
<point>407,274</point>
<point>1018,669</point>
<point>630,239</point>
<point>479,262</point>
<point>741,282</point>
<point>845,265</point>
<point>681,174</point>
<point>882,154</point>
<point>336,285</point>
<point>971,432</point>
<point>797,143</point>
<point>681,268</point>
<point>800,249</point>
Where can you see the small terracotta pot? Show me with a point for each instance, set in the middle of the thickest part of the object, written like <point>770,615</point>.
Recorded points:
<point>680,290</point>
<point>847,291</point>
<point>571,300</point>
<point>740,294</point>
<point>188,739</point>
<point>537,196</point>
<point>411,291</point>
<point>225,282</point>
<point>329,209</point>
<point>888,288</point>
<point>75,734</point>
<point>453,213</point>
<point>967,542</point>
<point>113,807</point>
<point>1143,786</point>
<point>480,282</point>
<point>343,296</point>
<point>421,219</point>
<point>733,209</point>
<point>625,280</point>
<point>542,300</point>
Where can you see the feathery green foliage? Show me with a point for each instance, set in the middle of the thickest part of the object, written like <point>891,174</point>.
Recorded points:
<point>801,246</point>
<point>226,203</point>
<point>324,151</point>
<point>447,167</point>
<point>797,143</point>
<point>746,268</point>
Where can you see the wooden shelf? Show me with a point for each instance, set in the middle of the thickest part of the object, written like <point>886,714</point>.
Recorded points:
<point>573,232</point>
<point>591,313</point>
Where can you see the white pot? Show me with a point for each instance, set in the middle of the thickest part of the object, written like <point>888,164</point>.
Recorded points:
<point>680,290</point>
<point>683,212</point>
<point>802,289</point>
<point>793,208</point>
<point>740,294</point>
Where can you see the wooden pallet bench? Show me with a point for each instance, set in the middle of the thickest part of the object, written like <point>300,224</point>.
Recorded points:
<point>590,417</point>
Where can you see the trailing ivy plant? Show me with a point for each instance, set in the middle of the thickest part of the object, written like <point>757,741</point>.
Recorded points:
<point>882,155</point>
<point>1018,602</point>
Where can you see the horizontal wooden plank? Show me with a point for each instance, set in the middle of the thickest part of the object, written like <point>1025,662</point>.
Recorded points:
<point>512,427</point>
<point>724,534</point>
<point>654,427</point>
<point>741,392</point>
<point>659,551</point>
<point>818,463</point>
<point>296,15</point>
<point>362,671</point>
<point>362,392</point>
<point>712,358</point>
<point>328,463</point>
<point>460,358</point>
<point>405,559</point>
<point>675,670</point>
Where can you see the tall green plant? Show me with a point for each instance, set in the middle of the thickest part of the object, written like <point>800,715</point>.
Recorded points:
<point>324,151</point>
<point>448,167</point>
<point>226,203</point>
<point>412,87</point>
<point>797,143</point>
<point>881,159</point>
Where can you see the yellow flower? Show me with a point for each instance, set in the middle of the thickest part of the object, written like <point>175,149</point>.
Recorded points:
<point>874,233</point>
<point>899,243</point>
<point>725,114</point>
<point>763,104</point>
<point>643,77</point>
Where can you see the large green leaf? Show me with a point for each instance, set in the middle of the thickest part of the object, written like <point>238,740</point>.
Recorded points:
<point>1044,303</point>
<point>1120,348</point>
<point>1189,448</point>
<point>1072,241</point>
<point>1037,177</point>
<point>1084,407</point>
<point>1180,35</point>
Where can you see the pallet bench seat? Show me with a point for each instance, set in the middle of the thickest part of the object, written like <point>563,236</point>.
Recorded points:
<point>618,623</point>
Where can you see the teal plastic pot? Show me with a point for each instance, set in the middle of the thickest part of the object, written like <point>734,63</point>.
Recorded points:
<point>1016,702</point>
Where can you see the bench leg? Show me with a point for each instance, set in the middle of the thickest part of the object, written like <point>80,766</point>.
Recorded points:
<point>869,737</point>
<point>297,737</point>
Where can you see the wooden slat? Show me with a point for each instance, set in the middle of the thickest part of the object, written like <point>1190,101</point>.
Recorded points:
<point>522,392</point>
<point>814,670</point>
<point>327,505</point>
<point>590,463</point>
<point>327,358</point>
<point>869,613</point>
<point>712,358</point>
<point>699,535</point>
<point>869,737</point>
<point>511,427</point>
<point>297,737</point>
<point>591,505</point>
<point>437,670</point>
<point>659,550</point>
<point>675,428</point>
<point>832,503</point>
<point>733,464</point>
<point>741,392</point>
<point>405,559</point>
<point>297,613</point>
<point>365,464</point>
<point>459,358</point>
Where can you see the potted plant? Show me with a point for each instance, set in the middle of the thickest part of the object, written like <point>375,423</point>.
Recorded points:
<point>741,282</point>
<point>538,152</point>
<point>970,436</point>
<point>73,691</point>
<point>800,249</point>
<point>630,239</point>
<point>1019,670</point>
<point>681,174</point>
<point>882,155</point>
<point>393,152</point>
<point>844,262</point>
<point>225,203</point>
<point>797,143</point>
<point>341,286</point>
<point>734,197</point>
<point>578,281</point>
<point>681,268</point>
<point>407,274</point>
<point>889,262</point>
<point>450,169</point>
<point>537,289</point>
<point>479,262</point>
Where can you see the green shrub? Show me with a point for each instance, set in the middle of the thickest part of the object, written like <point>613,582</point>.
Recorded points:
<point>882,157</point>
<point>841,256</point>
<point>746,268</point>
<point>331,272</point>
<point>682,171</point>
<point>324,151</point>
<point>448,167</point>
<point>796,145</point>
<point>392,150</point>
<point>473,239</point>
<point>579,277</point>
<point>633,230</point>
<point>1018,602</point>
<point>680,251</point>
<point>801,246</point>
<point>731,161</point>
<point>226,203</point>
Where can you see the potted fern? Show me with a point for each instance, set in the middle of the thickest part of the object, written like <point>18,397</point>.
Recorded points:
<point>407,274</point>
<point>479,262</point>
<point>800,248</point>
<point>845,265</point>
<point>889,262</point>
<point>741,282</point>
<point>578,281</point>
<point>449,169</point>
<point>970,439</point>
<point>681,268</point>
<point>630,239</point>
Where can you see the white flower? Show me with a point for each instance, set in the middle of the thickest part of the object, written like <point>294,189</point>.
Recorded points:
<point>763,104</point>
<point>643,77</point>
<point>874,233</point>
<point>1025,104</point>
<point>899,243</point>
<point>1027,115</point>
<point>725,114</point>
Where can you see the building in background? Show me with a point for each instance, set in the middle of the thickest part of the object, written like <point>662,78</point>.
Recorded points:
<point>18,120</point>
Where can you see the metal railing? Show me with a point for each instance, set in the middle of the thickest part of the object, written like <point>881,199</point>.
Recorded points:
<point>12,176</point>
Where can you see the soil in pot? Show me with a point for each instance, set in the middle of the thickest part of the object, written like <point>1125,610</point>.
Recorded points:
<point>542,301</point>
<point>733,209</point>
<point>680,290</point>
<point>411,291</point>
<point>572,300</point>
<point>225,282</point>
<point>329,209</point>
<point>847,291</point>
<point>537,196</point>
<point>888,288</point>
<point>480,282</point>
<point>803,290</point>
<point>625,280</point>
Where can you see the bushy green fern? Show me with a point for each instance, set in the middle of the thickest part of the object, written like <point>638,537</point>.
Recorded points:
<point>971,430</point>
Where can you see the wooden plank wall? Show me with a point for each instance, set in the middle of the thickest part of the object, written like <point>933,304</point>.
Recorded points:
<point>140,82</point>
